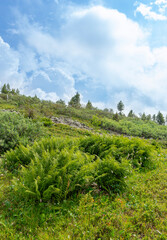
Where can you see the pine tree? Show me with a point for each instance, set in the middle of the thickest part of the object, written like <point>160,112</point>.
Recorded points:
<point>160,118</point>
<point>89,105</point>
<point>131,114</point>
<point>4,89</point>
<point>13,91</point>
<point>75,101</point>
<point>120,107</point>
<point>143,117</point>
<point>17,91</point>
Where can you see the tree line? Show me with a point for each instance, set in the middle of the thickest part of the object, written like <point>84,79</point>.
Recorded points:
<point>6,89</point>
<point>75,102</point>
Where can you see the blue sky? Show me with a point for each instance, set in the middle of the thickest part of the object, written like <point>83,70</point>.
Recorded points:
<point>107,50</point>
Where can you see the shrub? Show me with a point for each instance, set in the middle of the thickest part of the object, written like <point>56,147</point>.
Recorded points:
<point>47,122</point>
<point>139,153</point>
<point>23,155</point>
<point>111,175</point>
<point>55,168</point>
<point>96,121</point>
<point>136,127</point>
<point>15,129</point>
<point>55,174</point>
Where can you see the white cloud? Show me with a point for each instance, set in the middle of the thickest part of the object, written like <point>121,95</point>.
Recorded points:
<point>159,2</point>
<point>43,95</point>
<point>9,67</point>
<point>154,10</point>
<point>108,51</point>
<point>147,12</point>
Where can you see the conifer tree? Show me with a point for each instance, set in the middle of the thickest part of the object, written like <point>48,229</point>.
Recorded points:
<point>120,107</point>
<point>75,101</point>
<point>89,105</point>
<point>4,89</point>
<point>131,114</point>
<point>17,91</point>
<point>160,118</point>
<point>154,117</point>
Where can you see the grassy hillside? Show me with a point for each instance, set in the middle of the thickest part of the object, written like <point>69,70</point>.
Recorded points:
<point>107,180</point>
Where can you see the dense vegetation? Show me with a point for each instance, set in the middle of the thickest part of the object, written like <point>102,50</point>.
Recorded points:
<point>15,129</point>
<point>64,182</point>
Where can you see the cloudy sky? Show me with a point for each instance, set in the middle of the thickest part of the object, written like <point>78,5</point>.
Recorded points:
<point>107,50</point>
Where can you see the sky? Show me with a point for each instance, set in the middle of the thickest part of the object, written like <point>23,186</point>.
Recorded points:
<point>107,50</point>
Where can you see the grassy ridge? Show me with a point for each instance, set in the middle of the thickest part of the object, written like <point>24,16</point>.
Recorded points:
<point>78,184</point>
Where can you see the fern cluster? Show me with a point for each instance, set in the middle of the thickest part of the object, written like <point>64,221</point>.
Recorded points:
<point>138,152</point>
<point>56,168</point>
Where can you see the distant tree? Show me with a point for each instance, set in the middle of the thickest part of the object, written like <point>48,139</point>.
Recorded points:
<point>111,111</point>
<point>148,117</point>
<point>120,107</point>
<point>17,91</point>
<point>143,117</point>
<point>13,91</point>
<point>89,105</point>
<point>75,101</point>
<point>160,118</point>
<point>106,110</point>
<point>61,102</point>
<point>4,89</point>
<point>131,114</point>
<point>154,117</point>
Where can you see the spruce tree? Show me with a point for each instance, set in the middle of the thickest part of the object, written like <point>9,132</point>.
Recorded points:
<point>89,105</point>
<point>120,107</point>
<point>4,89</point>
<point>17,91</point>
<point>160,118</point>
<point>75,101</point>
<point>131,114</point>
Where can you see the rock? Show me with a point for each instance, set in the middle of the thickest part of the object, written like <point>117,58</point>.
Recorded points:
<point>70,122</point>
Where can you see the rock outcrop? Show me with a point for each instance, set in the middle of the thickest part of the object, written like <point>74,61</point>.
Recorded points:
<point>70,122</point>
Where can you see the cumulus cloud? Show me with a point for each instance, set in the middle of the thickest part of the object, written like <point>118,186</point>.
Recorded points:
<point>9,67</point>
<point>45,96</point>
<point>149,11</point>
<point>97,50</point>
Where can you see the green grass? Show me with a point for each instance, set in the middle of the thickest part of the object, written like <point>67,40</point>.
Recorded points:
<point>62,130</point>
<point>7,106</point>
<point>139,212</point>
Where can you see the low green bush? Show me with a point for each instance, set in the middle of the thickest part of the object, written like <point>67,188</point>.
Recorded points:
<point>55,168</point>
<point>15,129</point>
<point>135,127</point>
<point>55,178</point>
<point>47,122</point>
<point>111,175</point>
<point>23,155</point>
<point>139,152</point>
